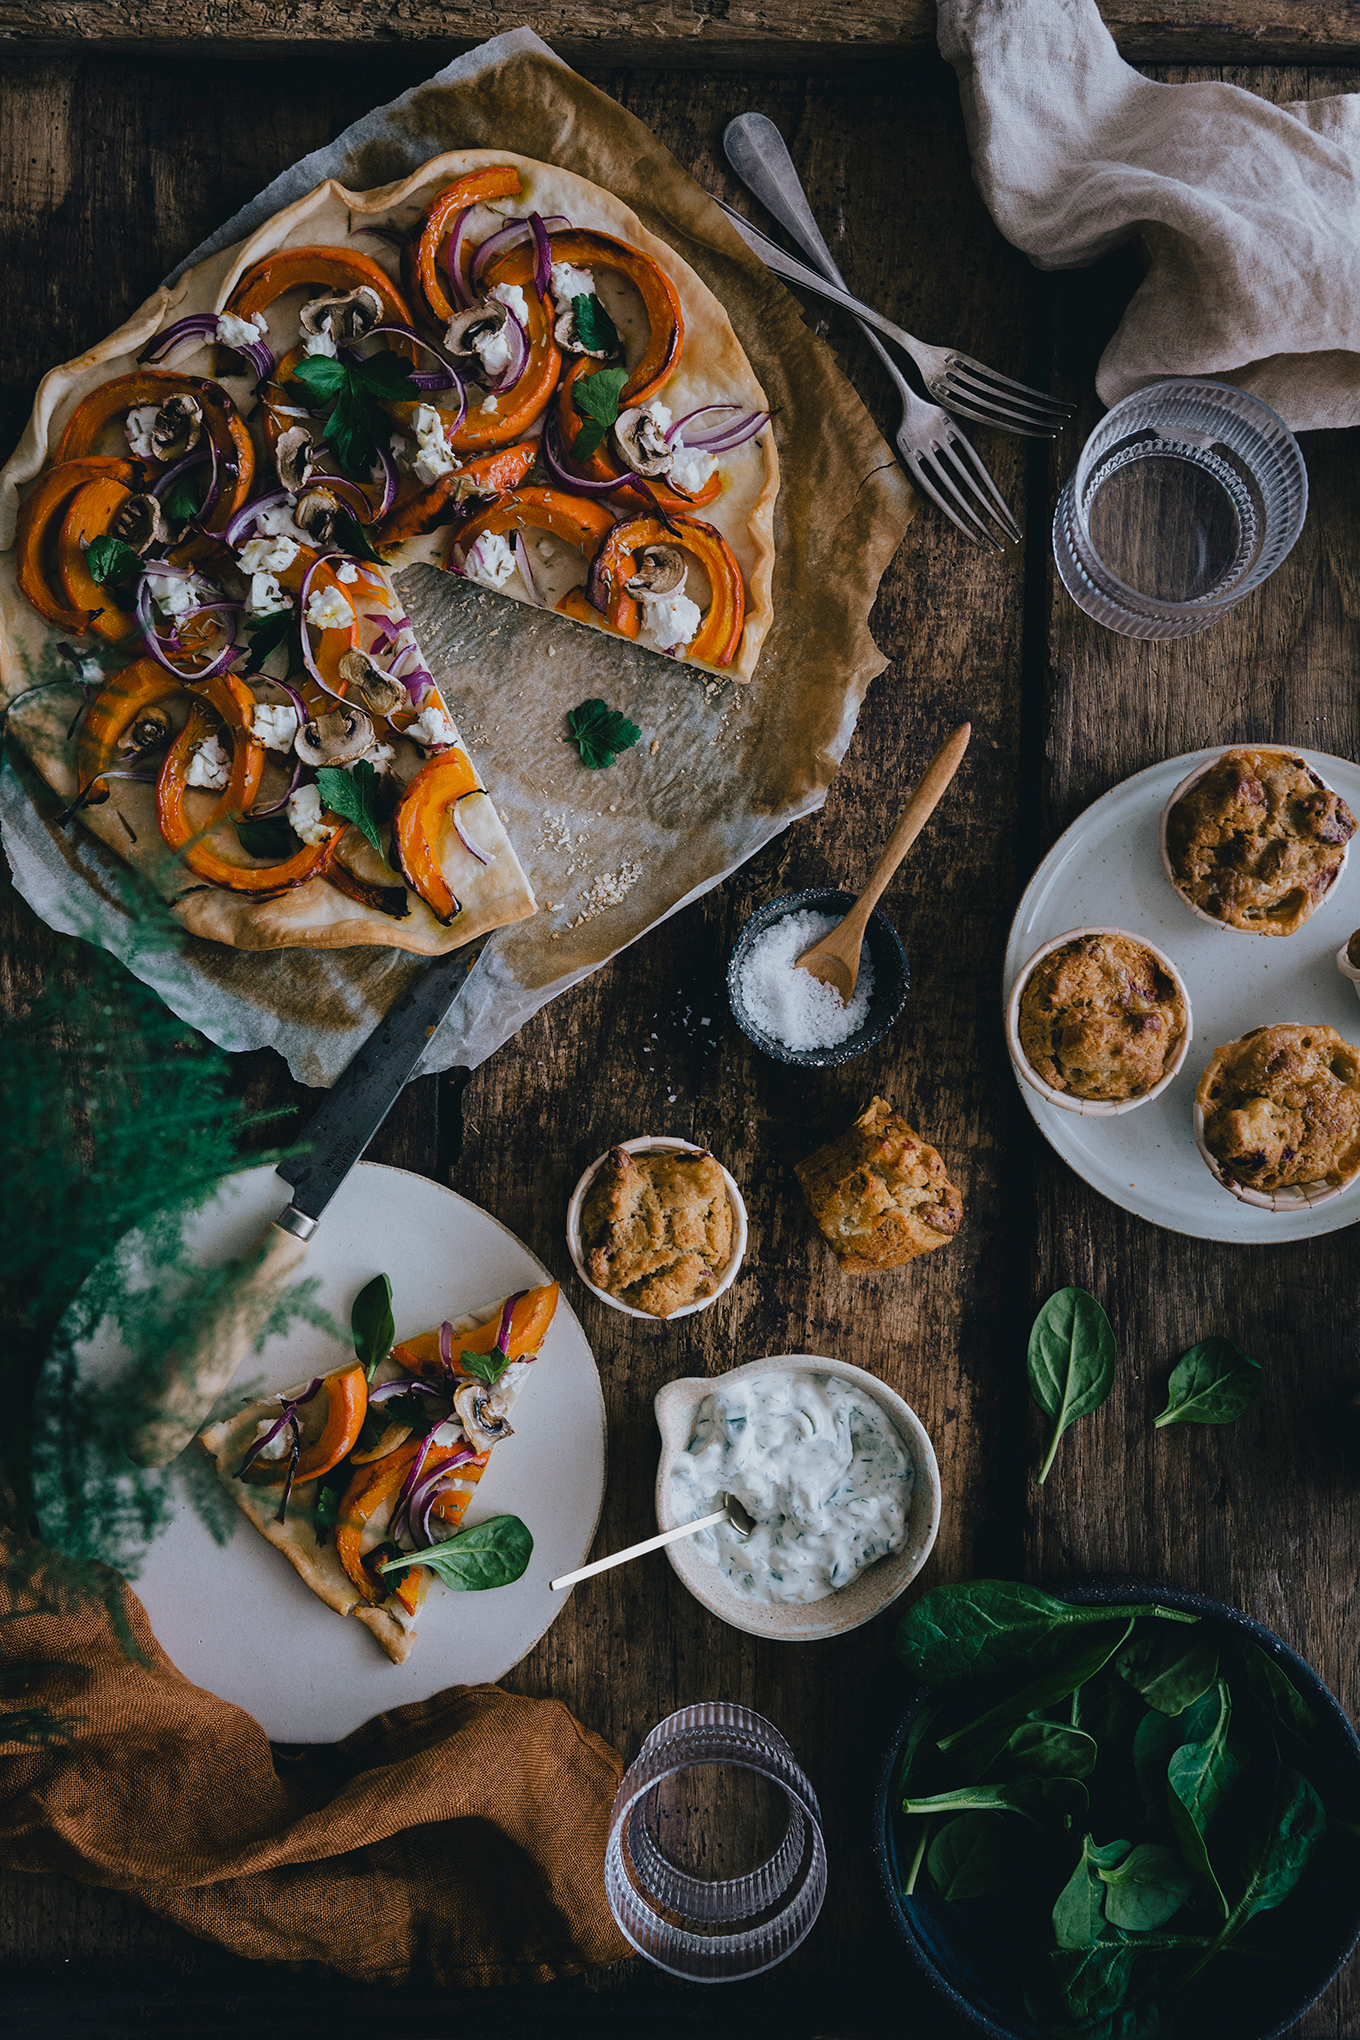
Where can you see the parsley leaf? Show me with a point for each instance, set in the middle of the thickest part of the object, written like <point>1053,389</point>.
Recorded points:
<point>183,501</point>
<point>352,539</point>
<point>596,398</point>
<point>370,1317</point>
<point>268,632</point>
<point>109,560</point>
<point>356,392</point>
<point>594,327</point>
<point>329,1496</point>
<point>353,794</point>
<point>267,836</point>
<point>487,1367</point>
<point>601,732</point>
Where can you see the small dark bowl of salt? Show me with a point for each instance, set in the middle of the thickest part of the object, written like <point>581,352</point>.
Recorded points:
<point>786,1012</point>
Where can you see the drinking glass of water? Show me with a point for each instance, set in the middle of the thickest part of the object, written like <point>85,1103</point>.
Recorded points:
<point>715,1867</point>
<point>1187,495</point>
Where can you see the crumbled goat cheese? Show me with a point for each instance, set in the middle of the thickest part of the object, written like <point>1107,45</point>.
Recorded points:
<point>669,620</point>
<point>278,522</point>
<point>266,555</point>
<point>433,454</point>
<point>304,815</point>
<point>234,332</point>
<point>489,404</point>
<point>274,724</point>
<point>178,596</point>
<point>433,726</point>
<point>347,571</point>
<point>327,609</point>
<point>266,597</point>
<point>210,766</point>
<point>319,343</point>
<point>490,561</point>
<point>280,1445</point>
<point>380,757</point>
<point>690,469</point>
<point>138,428</point>
<point>545,551</point>
<point>511,296</point>
<point>568,283</point>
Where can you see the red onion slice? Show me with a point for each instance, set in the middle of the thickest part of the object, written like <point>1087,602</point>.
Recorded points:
<point>566,476</point>
<point>248,512</point>
<point>341,485</point>
<point>214,489</point>
<point>730,436</point>
<point>526,572</point>
<point>543,254</point>
<point>387,462</point>
<point>447,374</point>
<point>507,1313</point>
<point>446,1344</point>
<point>702,412</point>
<point>199,326</point>
<point>412,1477</point>
<point>155,643</point>
<point>172,474</point>
<point>509,236</point>
<point>308,659</point>
<point>287,1416</point>
<point>404,1385</point>
<point>463,835</point>
<point>419,1507</point>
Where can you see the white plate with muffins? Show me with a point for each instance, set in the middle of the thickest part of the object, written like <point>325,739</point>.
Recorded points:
<point>1256,838</point>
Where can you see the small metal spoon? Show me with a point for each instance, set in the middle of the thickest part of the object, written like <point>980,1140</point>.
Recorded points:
<point>731,1512</point>
<point>834,960</point>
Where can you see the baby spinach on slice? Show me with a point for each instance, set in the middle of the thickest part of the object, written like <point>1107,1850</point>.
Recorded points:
<point>1079,1909</point>
<point>1200,1776</point>
<point>490,1554</point>
<point>594,328</point>
<point>1043,1749</point>
<point>1211,1384</point>
<point>976,1627</point>
<point>1146,1887</point>
<point>1038,1799</point>
<point>971,1856</point>
<point>1071,1361</point>
<point>1170,1669</point>
<point>370,1320</point>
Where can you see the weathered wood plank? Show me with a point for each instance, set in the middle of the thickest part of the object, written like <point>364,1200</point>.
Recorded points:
<point>680,34</point>
<point>1259,1513</point>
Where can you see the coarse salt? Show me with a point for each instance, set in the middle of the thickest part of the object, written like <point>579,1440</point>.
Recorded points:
<point>792,1006</point>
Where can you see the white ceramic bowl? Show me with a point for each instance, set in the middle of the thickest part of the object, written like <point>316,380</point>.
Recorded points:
<point>1296,1197</point>
<point>1347,968</point>
<point>1178,792</point>
<point>1092,1108</point>
<point>653,1144</point>
<point>872,1590</point>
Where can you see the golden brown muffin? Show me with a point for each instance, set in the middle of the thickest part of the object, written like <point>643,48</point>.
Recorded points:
<point>1258,841</point>
<point>880,1193</point>
<point>657,1229</point>
<point>1282,1106</point>
<point>1100,1018</point>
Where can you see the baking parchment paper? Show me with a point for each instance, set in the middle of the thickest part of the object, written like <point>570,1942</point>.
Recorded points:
<point>720,768</point>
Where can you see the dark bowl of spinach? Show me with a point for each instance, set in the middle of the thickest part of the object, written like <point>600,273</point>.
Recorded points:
<point>1118,1811</point>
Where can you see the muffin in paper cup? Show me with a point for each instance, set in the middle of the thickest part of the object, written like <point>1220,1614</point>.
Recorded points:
<point>1345,966</point>
<point>1179,792</point>
<point>1291,1197</point>
<point>1069,1101</point>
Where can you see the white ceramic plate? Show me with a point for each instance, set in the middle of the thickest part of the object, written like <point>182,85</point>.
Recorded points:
<point>236,1618</point>
<point>1105,871</point>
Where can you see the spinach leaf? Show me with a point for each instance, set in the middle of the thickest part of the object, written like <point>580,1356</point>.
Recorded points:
<point>1037,1799</point>
<point>110,561</point>
<point>970,1857</point>
<point>1282,1828</point>
<point>1107,1708</point>
<point>352,540</point>
<point>487,1367</point>
<point>1094,1979</point>
<point>600,733</point>
<point>268,836</point>
<point>1156,1740</point>
<point>596,399</point>
<point>1275,1693</point>
<point>1200,1776</point>
<point>1171,1670</point>
<point>370,1320</point>
<point>980,1739</point>
<point>1211,1384</point>
<point>1043,1749</point>
<point>1071,1361</point>
<point>1144,1889</point>
<point>490,1554</point>
<point>978,1627</point>
<point>1078,1910</point>
<point>353,794</point>
<point>594,327</point>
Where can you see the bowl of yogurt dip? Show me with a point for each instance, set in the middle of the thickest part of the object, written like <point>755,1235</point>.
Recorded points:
<point>838,1472</point>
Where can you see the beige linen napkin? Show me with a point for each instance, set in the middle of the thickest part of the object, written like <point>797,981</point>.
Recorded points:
<point>1249,213</point>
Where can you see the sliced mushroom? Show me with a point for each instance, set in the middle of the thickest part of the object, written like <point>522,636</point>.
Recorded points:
<point>642,443</point>
<point>345,318</point>
<point>340,737</point>
<point>482,1414</point>
<point>316,514</point>
<point>151,728</point>
<point>662,570</point>
<point>178,428</point>
<point>380,694</point>
<point>140,522</point>
<point>471,332</point>
<point>295,456</point>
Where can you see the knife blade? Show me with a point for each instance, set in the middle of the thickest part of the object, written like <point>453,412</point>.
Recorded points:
<point>367,1089</point>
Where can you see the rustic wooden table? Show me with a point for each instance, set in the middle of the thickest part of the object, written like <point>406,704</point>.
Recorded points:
<point>113,165</point>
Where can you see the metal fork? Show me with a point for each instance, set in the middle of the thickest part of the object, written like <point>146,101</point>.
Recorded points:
<point>758,153</point>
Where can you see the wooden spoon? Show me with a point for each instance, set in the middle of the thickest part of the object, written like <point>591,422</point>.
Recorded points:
<point>834,960</point>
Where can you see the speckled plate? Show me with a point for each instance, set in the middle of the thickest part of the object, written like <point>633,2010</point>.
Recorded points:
<point>1106,871</point>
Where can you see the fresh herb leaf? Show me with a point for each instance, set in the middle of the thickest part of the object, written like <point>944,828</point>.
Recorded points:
<point>351,538</point>
<point>1211,1384</point>
<point>970,1857</point>
<point>1079,1910</point>
<point>601,733</point>
<point>1071,1361</point>
<point>420,1413</point>
<point>487,1367</point>
<point>594,328</point>
<point>354,795</point>
<point>1275,1693</point>
<point>370,1320</point>
<point>977,1627</point>
<point>1200,1776</point>
<point>321,376</point>
<point>356,391</point>
<point>1146,1888</point>
<point>1094,1980</point>
<point>1170,1670</point>
<point>268,836</point>
<point>184,500</point>
<point>111,562</point>
<point>490,1554</point>
<point>596,399</point>
<point>329,1494</point>
<point>268,632</point>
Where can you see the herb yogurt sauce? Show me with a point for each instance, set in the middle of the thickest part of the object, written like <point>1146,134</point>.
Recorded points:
<point>820,1467</point>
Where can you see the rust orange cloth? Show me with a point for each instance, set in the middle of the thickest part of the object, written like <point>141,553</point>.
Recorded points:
<point>457,1841</point>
